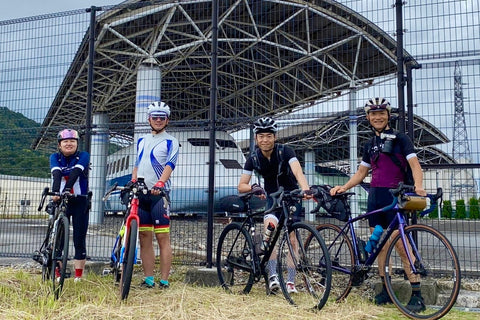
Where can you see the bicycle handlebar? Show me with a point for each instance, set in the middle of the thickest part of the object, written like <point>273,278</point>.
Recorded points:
<point>135,188</point>
<point>46,192</point>
<point>280,194</point>
<point>409,190</point>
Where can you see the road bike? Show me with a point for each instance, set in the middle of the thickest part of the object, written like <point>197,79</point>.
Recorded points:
<point>416,247</point>
<point>53,253</point>
<point>241,262</point>
<point>124,253</point>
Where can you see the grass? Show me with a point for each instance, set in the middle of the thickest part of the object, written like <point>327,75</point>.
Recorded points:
<point>23,295</point>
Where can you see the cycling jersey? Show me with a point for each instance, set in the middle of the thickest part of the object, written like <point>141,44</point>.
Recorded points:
<point>274,176</point>
<point>154,153</point>
<point>66,165</point>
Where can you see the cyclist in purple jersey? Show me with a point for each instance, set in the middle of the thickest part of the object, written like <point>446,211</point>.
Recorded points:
<point>69,168</point>
<point>378,156</point>
<point>157,155</point>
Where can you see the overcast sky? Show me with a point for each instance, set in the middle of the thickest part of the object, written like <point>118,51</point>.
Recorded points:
<point>26,8</point>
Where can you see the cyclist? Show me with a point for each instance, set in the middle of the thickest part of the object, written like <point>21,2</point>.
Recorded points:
<point>157,155</point>
<point>279,166</point>
<point>69,168</point>
<point>377,157</point>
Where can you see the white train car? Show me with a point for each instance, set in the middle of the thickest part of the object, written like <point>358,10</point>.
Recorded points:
<point>189,193</point>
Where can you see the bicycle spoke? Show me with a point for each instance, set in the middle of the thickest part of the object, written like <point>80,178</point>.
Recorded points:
<point>304,268</point>
<point>235,259</point>
<point>438,272</point>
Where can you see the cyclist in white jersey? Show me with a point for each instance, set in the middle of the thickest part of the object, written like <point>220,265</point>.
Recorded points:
<point>157,155</point>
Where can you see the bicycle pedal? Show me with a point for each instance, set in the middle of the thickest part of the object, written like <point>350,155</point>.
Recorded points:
<point>106,272</point>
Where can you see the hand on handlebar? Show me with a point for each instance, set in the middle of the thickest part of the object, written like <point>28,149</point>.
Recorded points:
<point>337,189</point>
<point>158,188</point>
<point>257,190</point>
<point>308,194</point>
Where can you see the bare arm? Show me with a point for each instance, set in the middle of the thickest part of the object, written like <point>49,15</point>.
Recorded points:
<point>417,176</point>
<point>244,184</point>
<point>298,173</point>
<point>356,179</point>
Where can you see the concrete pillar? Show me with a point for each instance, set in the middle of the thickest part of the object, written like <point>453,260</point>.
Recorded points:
<point>310,175</point>
<point>98,160</point>
<point>148,90</point>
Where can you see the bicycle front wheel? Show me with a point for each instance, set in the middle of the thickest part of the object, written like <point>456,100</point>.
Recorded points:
<point>437,270</point>
<point>304,267</point>
<point>343,259</point>
<point>235,259</point>
<point>128,259</point>
<point>59,255</point>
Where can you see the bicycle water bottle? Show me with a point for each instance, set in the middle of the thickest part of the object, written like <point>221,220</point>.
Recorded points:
<point>373,241</point>
<point>267,236</point>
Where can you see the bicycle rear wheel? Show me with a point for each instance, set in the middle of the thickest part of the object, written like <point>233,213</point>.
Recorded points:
<point>59,255</point>
<point>437,264</point>
<point>306,264</point>
<point>235,259</point>
<point>128,259</point>
<point>343,259</point>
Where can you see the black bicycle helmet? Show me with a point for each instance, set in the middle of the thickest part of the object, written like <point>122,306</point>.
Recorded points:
<point>265,125</point>
<point>377,104</point>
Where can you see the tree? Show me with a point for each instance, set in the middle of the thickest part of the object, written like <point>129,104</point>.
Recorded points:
<point>474,209</point>
<point>447,209</point>
<point>461,210</point>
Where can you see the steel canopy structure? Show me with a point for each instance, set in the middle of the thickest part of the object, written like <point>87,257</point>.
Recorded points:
<point>274,57</point>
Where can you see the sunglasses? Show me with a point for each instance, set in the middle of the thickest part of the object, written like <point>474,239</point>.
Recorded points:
<point>155,118</point>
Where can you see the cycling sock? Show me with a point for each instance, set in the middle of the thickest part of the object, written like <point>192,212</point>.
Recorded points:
<point>150,280</point>
<point>291,274</point>
<point>78,273</point>
<point>416,289</point>
<point>272,267</point>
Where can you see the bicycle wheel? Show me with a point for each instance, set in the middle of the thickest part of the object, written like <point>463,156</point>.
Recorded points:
<point>115,260</point>
<point>438,272</point>
<point>342,256</point>
<point>128,259</point>
<point>308,267</point>
<point>59,255</point>
<point>235,259</point>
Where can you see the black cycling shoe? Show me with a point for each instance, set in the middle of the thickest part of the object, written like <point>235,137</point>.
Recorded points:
<point>416,304</point>
<point>382,298</point>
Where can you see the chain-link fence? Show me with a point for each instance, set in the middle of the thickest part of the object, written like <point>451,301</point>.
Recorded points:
<point>310,64</point>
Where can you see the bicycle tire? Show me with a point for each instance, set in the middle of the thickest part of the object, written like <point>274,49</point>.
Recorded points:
<point>438,266</point>
<point>60,255</point>
<point>235,259</point>
<point>310,268</point>
<point>342,256</point>
<point>128,259</point>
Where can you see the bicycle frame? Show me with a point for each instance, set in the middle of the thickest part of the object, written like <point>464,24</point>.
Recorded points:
<point>398,224</point>
<point>284,221</point>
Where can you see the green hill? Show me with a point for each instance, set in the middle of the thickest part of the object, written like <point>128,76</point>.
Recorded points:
<point>16,156</point>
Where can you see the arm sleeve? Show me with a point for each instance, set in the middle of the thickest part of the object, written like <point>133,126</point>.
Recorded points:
<point>57,178</point>
<point>72,177</point>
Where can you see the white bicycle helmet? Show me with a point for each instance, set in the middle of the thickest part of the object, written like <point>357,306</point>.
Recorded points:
<point>158,109</point>
<point>265,124</point>
<point>377,104</point>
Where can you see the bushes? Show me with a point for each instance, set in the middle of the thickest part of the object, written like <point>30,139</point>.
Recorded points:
<point>460,211</point>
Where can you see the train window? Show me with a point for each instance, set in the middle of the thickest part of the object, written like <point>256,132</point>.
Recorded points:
<point>108,168</point>
<point>226,143</point>
<point>230,164</point>
<point>122,167</point>
<point>198,142</point>
<point>127,162</point>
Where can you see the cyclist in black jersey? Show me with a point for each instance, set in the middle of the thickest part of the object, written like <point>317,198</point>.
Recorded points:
<point>378,156</point>
<point>279,166</point>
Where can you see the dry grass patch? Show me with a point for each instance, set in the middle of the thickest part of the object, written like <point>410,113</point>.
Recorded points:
<point>24,296</point>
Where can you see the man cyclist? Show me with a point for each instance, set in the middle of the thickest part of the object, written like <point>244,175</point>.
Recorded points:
<point>157,155</point>
<point>278,169</point>
<point>69,168</point>
<point>387,173</point>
